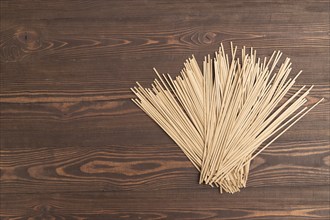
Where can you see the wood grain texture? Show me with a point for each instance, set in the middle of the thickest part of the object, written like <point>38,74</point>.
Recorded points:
<point>73,145</point>
<point>252,203</point>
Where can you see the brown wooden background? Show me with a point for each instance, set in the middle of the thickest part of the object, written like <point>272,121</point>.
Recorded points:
<point>74,146</point>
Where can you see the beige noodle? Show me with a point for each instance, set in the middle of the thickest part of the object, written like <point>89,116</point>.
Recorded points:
<point>221,116</point>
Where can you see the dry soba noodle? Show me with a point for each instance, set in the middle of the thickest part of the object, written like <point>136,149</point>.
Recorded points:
<point>223,116</point>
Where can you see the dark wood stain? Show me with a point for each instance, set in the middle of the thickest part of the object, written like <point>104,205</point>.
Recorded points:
<point>73,145</point>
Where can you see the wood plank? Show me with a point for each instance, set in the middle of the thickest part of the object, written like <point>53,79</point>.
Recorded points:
<point>151,167</point>
<point>63,124</point>
<point>261,204</point>
<point>84,68</point>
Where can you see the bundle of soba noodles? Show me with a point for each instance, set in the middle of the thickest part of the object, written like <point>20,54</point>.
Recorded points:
<point>226,114</point>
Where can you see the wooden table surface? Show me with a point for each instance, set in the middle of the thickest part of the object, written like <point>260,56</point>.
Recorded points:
<point>74,146</point>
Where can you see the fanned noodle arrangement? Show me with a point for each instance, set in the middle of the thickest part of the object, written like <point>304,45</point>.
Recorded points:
<point>223,116</point>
